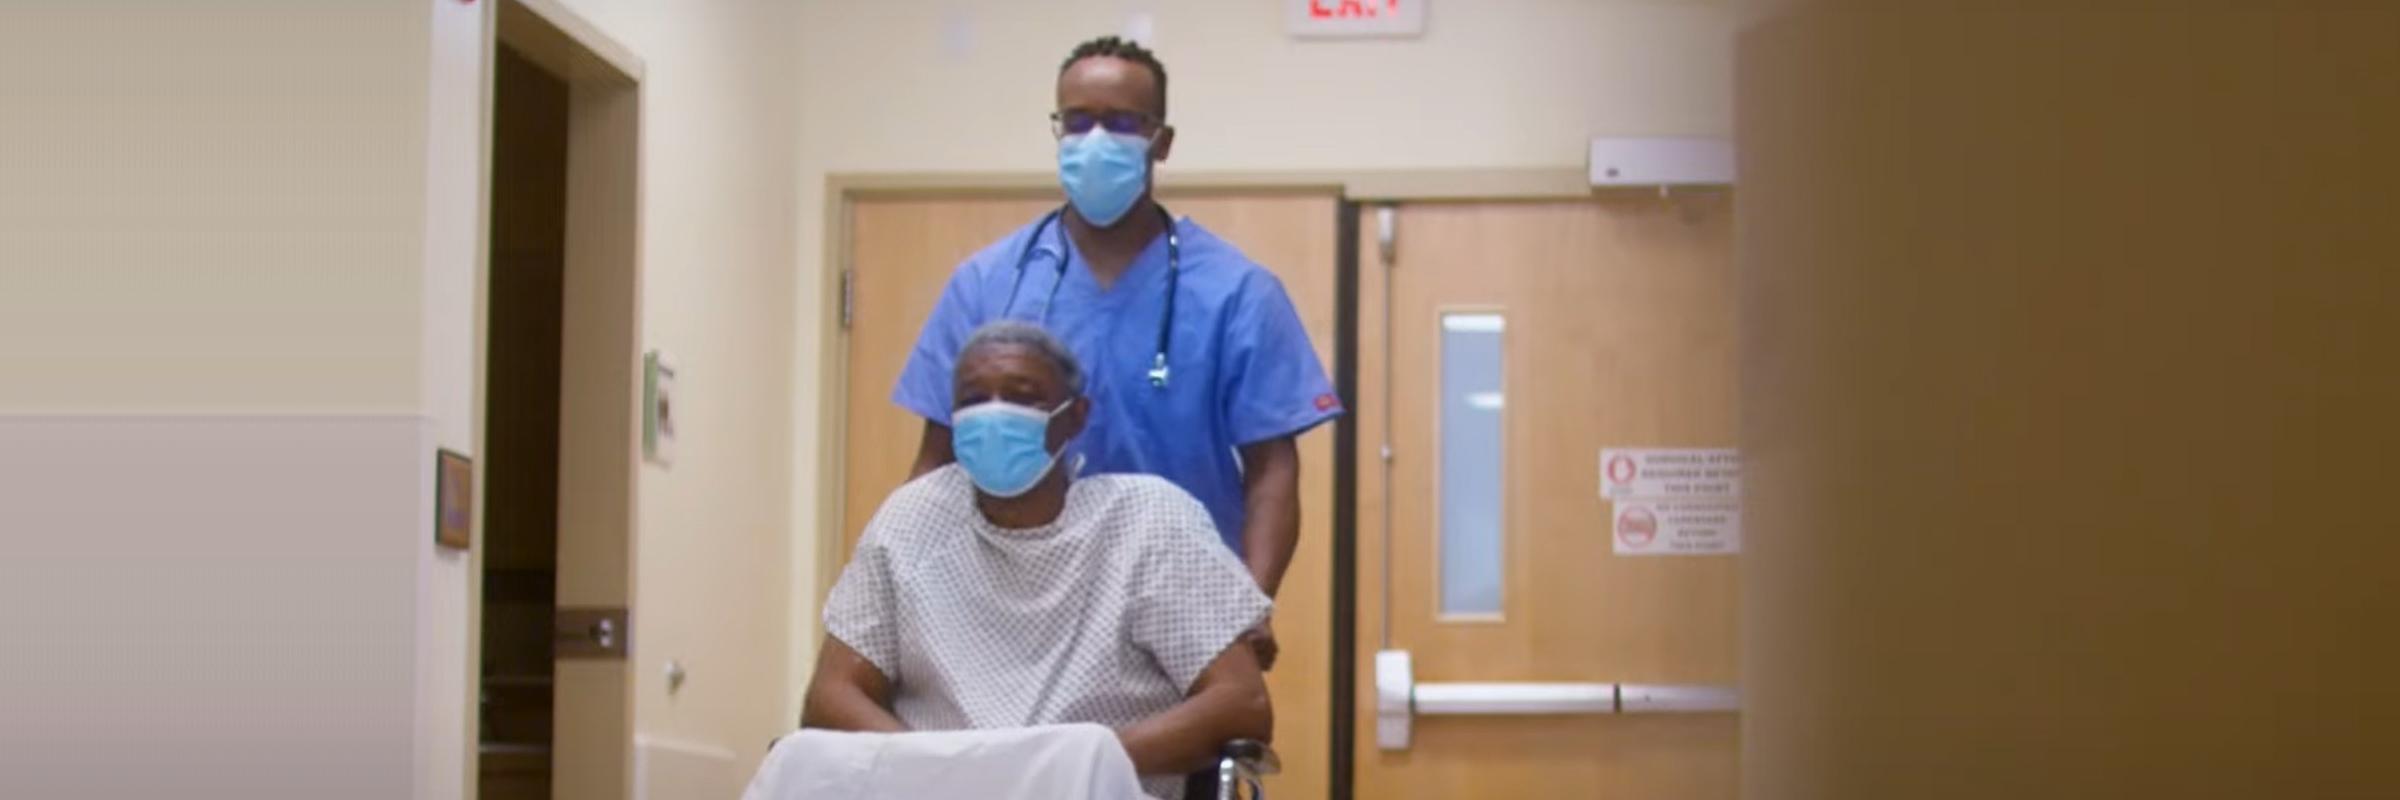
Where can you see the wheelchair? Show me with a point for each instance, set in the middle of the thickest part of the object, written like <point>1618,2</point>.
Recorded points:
<point>1241,763</point>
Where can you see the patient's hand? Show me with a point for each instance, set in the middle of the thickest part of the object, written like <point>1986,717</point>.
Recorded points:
<point>1263,644</point>
<point>1228,702</point>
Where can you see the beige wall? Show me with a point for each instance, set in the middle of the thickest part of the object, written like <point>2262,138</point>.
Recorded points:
<point>2069,335</point>
<point>962,85</point>
<point>243,244</point>
<point>712,566</point>
<point>966,86</point>
<point>188,224</point>
<point>455,220</point>
<point>211,607</point>
<point>216,429</point>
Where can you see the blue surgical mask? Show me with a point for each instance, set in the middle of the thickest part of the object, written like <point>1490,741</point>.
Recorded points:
<point>1103,173</point>
<point>1004,447</point>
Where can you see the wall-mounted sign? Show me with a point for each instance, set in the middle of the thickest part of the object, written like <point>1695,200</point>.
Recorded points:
<point>1678,527</point>
<point>1667,472</point>
<point>453,500</point>
<point>1673,501</point>
<point>1336,19</point>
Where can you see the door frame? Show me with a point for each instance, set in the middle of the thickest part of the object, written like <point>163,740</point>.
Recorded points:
<point>603,241</point>
<point>1351,190</point>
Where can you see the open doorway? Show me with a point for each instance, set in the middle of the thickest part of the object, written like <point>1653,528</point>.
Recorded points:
<point>561,411</point>
<point>521,372</point>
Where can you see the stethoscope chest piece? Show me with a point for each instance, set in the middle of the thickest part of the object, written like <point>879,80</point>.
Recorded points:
<point>1158,370</point>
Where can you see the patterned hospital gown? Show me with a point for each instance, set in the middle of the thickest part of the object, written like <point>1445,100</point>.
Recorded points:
<point>1107,615</point>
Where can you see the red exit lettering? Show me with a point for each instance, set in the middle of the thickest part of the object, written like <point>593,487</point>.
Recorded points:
<point>1350,9</point>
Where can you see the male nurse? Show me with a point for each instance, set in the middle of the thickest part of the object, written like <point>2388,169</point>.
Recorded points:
<point>1200,371</point>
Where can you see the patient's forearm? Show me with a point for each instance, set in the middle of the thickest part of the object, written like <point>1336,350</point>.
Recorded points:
<point>1188,736</point>
<point>847,708</point>
<point>848,693</point>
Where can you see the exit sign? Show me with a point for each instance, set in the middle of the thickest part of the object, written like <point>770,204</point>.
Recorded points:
<point>1334,19</point>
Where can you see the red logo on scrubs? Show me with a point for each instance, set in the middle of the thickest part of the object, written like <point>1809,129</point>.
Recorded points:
<point>1325,402</point>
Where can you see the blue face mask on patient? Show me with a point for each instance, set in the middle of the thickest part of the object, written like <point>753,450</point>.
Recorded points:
<point>1103,173</point>
<point>1004,447</point>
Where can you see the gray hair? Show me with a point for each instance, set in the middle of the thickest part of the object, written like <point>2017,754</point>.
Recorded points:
<point>1032,337</point>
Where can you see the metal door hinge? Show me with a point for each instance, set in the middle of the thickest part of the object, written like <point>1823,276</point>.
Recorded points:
<point>849,296</point>
<point>1387,233</point>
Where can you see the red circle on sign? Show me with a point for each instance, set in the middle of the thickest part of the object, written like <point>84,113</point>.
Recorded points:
<point>1620,470</point>
<point>1636,526</point>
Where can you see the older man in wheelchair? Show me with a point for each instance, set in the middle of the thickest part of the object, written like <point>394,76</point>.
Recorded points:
<point>1002,592</point>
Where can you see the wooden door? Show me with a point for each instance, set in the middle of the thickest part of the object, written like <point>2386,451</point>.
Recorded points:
<point>599,455</point>
<point>1615,327</point>
<point>599,411</point>
<point>903,251</point>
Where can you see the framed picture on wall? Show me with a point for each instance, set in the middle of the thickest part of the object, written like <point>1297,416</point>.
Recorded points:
<point>453,500</point>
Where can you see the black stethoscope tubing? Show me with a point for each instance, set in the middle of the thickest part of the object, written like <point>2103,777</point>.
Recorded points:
<point>1166,321</point>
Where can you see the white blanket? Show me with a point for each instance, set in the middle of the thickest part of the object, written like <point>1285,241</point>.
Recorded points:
<point>1053,762</point>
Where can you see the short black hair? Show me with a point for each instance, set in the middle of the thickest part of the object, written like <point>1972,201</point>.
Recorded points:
<point>1115,47</point>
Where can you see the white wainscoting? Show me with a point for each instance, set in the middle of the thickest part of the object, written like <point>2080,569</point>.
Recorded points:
<point>216,606</point>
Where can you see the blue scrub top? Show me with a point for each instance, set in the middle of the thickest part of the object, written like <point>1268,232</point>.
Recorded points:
<point>1242,370</point>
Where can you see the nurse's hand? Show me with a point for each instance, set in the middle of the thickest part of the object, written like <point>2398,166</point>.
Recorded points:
<point>1262,642</point>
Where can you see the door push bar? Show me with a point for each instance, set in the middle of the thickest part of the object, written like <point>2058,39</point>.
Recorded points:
<point>1399,698</point>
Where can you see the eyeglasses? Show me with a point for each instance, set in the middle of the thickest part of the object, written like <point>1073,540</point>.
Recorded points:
<point>1079,121</point>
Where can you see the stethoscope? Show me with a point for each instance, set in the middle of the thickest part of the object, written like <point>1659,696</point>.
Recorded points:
<point>1166,322</point>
